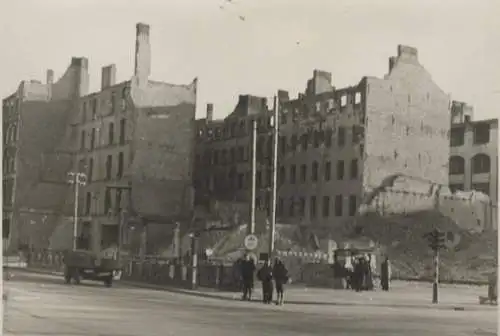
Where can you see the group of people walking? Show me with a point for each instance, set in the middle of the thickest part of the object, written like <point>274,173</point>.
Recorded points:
<point>271,276</point>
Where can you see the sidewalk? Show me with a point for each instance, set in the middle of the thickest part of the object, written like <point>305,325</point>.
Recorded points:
<point>401,295</point>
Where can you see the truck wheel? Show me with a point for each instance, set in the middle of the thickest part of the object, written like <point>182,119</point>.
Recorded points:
<point>108,282</point>
<point>76,276</point>
<point>67,276</point>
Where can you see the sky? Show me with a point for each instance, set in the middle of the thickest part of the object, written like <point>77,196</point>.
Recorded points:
<point>258,46</point>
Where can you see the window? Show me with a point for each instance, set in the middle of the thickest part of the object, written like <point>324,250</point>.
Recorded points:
<point>328,137</point>
<point>88,203</point>
<point>317,138</point>
<point>312,207</point>
<point>94,109</point>
<point>90,169</point>
<point>107,201</point>
<point>118,201</point>
<point>341,137</point>
<point>303,173</point>
<point>457,165</point>
<point>304,141</point>
<point>258,179</point>
<point>480,164</point>
<point>357,98</point>
<point>281,175</point>
<point>119,172</point>
<point>457,136</point>
<point>82,140</point>
<point>293,143</point>
<point>328,170</point>
<point>302,206</point>
<point>241,181</point>
<point>353,206</point>
<point>282,145</point>
<point>315,168</point>
<point>326,206</point>
<point>343,100</point>
<point>109,166</point>
<point>279,206</point>
<point>122,131</point>
<point>111,133</point>
<point>241,153</point>
<point>113,102</point>
<point>291,207</point>
<point>340,170</point>
<point>339,205</point>
<point>354,169</point>
<point>293,174</point>
<point>481,133</point>
<point>482,187</point>
<point>92,139</point>
<point>318,107</point>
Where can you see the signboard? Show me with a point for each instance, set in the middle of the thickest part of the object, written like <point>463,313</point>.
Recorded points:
<point>251,242</point>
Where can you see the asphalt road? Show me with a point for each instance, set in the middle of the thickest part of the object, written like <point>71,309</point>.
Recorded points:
<point>42,305</point>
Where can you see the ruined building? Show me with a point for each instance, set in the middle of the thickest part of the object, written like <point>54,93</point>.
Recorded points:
<point>337,145</point>
<point>474,155</point>
<point>136,136</point>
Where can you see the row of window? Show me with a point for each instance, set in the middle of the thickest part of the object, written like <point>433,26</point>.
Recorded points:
<point>315,172</point>
<point>311,207</point>
<point>240,181</point>
<point>264,123</point>
<point>480,135</point>
<point>108,202</point>
<point>264,145</point>
<point>10,136</point>
<point>110,136</point>
<point>108,167</point>
<point>96,104</point>
<point>480,163</point>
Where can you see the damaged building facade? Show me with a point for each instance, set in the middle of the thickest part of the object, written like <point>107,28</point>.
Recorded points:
<point>135,137</point>
<point>337,146</point>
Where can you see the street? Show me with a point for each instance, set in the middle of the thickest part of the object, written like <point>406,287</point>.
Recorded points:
<point>42,305</point>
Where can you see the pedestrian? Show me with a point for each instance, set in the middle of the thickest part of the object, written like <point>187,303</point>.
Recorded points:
<point>265,275</point>
<point>280,275</point>
<point>385,274</point>
<point>247,277</point>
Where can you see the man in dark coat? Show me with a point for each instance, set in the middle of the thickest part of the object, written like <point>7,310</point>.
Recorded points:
<point>247,277</point>
<point>265,275</point>
<point>280,275</point>
<point>385,274</point>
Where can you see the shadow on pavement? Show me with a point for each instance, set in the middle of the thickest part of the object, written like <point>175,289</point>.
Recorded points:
<point>45,279</point>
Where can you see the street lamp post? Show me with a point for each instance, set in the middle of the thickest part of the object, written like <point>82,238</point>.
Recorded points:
<point>272,229</point>
<point>77,179</point>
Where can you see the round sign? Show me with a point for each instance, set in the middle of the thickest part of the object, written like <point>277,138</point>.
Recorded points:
<point>209,252</point>
<point>251,242</point>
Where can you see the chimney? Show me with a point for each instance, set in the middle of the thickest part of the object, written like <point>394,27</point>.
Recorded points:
<point>392,62</point>
<point>407,53</point>
<point>210,112</point>
<point>283,96</point>
<point>81,65</point>
<point>50,76</point>
<point>142,68</point>
<point>108,76</point>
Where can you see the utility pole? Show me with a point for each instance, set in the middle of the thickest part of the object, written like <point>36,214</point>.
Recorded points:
<point>254,174</point>
<point>77,179</point>
<point>272,229</point>
<point>436,241</point>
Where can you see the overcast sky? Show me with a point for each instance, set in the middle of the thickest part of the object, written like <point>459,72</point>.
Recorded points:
<point>276,46</point>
